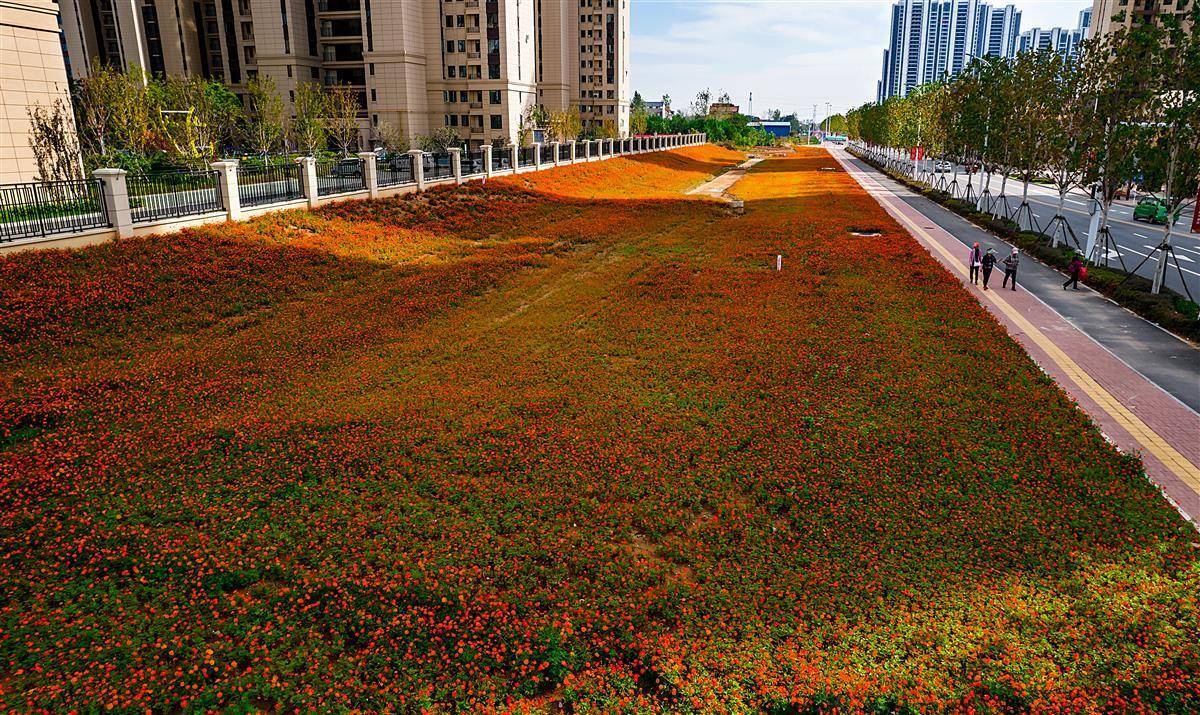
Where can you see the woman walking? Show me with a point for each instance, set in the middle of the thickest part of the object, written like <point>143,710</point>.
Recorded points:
<point>975,261</point>
<point>1074,273</point>
<point>987,264</point>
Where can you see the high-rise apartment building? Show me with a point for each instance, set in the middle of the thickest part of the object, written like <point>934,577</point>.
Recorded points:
<point>475,66</point>
<point>1060,39</point>
<point>935,39</point>
<point>1110,14</point>
<point>31,73</point>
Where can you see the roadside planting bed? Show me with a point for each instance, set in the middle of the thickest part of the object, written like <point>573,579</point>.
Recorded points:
<point>563,441</point>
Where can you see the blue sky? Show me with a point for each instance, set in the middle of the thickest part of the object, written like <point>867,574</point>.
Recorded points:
<point>790,53</point>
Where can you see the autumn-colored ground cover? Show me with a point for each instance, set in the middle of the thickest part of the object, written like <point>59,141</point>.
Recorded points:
<point>563,441</point>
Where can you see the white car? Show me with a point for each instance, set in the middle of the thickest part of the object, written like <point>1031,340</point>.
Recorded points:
<point>941,166</point>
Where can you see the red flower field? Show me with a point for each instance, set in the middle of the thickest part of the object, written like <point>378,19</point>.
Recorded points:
<point>563,441</point>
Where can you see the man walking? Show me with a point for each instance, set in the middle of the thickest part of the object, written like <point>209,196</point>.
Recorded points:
<point>1010,269</point>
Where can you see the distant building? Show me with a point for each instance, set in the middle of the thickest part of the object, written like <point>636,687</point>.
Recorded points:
<point>722,109</point>
<point>778,129</point>
<point>1061,40</point>
<point>659,109</point>
<point>32,73</point>
<point>932,40</point>
<point>475,67</point>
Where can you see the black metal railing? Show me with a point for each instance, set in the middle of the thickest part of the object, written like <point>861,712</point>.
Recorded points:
<point>527,156</point>
<point>339,176</point>
<point>395,171</point>
<point>437,166</point>
<point>564,152</point>
<point>472,163</point>
<point>154,197</point>
<point>501,158</point>
<point>41,208</point>
<point>547,153</point>
<point>259,185</point>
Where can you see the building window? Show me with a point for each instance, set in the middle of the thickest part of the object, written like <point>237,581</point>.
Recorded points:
<point>449,21</point>
<point>462,96</point>
<point>494,96</point>
<point>497,121</point>
<point>454,120</point>
<point>449,45</point>
<point>493,71</point>
<point>371,68</point>
<point>373,94</point>
<point>451,71</point>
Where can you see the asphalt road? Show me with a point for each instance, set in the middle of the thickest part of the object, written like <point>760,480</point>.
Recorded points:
<point>1158,355</point>
<point>1134,239</point>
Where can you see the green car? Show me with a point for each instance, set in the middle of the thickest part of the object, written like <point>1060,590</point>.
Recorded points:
<point>1150,209</point>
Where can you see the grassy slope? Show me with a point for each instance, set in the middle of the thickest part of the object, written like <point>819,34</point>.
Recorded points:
<point>489,447</point>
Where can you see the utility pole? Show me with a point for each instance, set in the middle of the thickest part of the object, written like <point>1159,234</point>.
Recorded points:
<point>828,119</point>
<point>812,126</point>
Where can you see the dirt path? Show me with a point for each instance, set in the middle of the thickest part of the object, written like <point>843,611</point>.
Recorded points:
<point>718,187</point>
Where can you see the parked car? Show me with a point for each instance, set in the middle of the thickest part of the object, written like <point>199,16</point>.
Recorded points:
<point>941,166</point>
<point>1150,209</point>
<point>348,167</point>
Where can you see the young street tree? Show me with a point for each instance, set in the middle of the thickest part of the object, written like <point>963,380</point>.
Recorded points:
<point>1065,139</point>
<point>194,117</point>
<point>341,112</point>
<point>54,141</point>
<point>263,123</point>
<point>113,117</point>
<point>307,128</point>
<point>1171,139</point>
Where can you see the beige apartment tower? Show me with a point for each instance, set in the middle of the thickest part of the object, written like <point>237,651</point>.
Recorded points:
<point>31,73</point>
<point>475,66</point>
<point>1108,15</point>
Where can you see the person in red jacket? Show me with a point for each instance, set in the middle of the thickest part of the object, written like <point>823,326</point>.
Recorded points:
<point>1073,273</point>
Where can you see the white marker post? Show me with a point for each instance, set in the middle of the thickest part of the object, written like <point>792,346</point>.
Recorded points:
<point>779,261</point>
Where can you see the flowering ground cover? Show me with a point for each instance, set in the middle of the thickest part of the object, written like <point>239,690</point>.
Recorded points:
<point>563,441</point>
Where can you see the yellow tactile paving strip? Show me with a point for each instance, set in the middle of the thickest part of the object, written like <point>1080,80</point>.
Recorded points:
<point>1150,440</point>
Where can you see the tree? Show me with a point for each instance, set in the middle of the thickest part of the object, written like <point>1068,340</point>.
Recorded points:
<point>54,141</point>
<point>1117,81</point>
<point>534,117</point>
<point>263,122</point>
<point>1170,145</point>
<point>701,103</point>
<point>1033,82</point>
<point>564,125</point>
<point>637,114</point>
<point>307,128</point>
<point>113,118</point>
<point>391,138</point>
<point>341,117</point>
<point>193,118</point>
<point>443,138</point>
<point>1064,138</point>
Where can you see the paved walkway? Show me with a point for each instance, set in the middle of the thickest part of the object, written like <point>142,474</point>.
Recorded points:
<point>718,187</point>
<point>1134,411</point>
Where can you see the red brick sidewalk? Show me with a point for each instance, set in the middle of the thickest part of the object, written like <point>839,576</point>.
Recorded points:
<point>1134,413</point>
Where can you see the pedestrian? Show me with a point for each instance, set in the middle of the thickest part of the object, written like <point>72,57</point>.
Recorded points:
<point>1073,273</point>
<point>1010,269</point>
<point>987,264</point>
<point>976,261</point>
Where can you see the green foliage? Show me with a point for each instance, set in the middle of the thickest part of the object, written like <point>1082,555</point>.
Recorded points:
<point>732,130</point>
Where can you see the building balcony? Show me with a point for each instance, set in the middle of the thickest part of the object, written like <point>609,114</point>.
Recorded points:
<point>476,105</point>
<point>472,55</point>
<point>472,3</point>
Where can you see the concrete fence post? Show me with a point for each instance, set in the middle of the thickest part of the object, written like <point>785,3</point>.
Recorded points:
<point>227,186</point>
<point>514,155</point>
<point>573,147</point>
<point>456,163</point>
<point>308,179</point>
<point>537,156</point>
<point>487,160</point>
<point>115,194</point>
<point>418,167</point>
<point>554,151</point>
<point>370,172</point>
